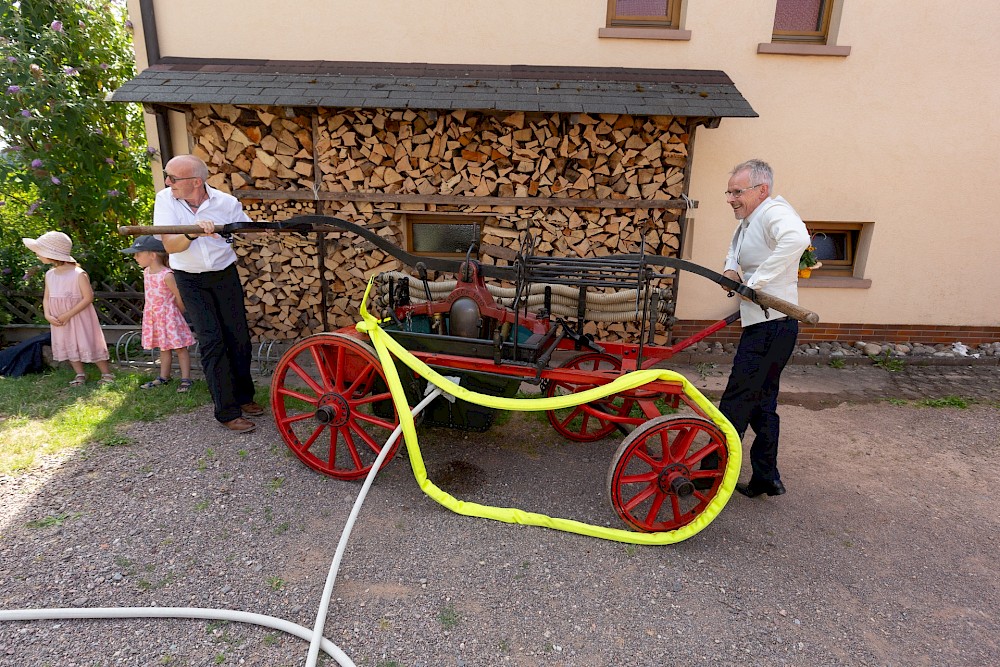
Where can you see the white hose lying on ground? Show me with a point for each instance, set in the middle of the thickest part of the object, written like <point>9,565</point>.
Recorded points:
<point>314,636</point>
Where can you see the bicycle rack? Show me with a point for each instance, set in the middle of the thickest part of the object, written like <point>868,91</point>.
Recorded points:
<point>129,353</point>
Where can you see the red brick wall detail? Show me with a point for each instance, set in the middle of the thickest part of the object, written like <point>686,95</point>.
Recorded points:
<point>850,333</point>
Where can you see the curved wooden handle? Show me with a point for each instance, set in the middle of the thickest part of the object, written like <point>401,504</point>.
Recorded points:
<point>790,309</point>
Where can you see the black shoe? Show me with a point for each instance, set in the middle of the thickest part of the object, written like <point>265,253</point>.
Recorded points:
<point>755,488</point>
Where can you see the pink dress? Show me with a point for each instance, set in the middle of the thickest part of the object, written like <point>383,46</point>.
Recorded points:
<point>80,339</point>
<point>163,324</point>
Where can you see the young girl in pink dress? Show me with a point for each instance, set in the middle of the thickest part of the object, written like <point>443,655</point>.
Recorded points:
<point>69,307</point>
<point>163,324</point>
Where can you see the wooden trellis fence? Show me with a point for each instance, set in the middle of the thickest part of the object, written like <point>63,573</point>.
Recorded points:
<point>115,304</point>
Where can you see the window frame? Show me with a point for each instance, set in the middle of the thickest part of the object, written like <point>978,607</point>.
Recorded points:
<point>821,36</point>
<point>839,268</point>
<point>412,218</point>
<point>670,19</point>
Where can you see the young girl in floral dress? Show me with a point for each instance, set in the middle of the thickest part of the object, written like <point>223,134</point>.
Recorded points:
<point>69,307</point>
<point>163,324</point>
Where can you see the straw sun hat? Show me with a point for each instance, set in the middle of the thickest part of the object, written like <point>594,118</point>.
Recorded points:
<point>52,245</point>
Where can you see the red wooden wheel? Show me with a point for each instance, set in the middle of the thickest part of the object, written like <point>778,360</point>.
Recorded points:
<point>590,421</point>
<point>655,482</point>
<point>332,405</point>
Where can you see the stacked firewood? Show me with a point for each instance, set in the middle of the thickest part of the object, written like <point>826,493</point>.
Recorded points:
<point>261,148</point>
<point>371,166</point>
<point>517,155</point>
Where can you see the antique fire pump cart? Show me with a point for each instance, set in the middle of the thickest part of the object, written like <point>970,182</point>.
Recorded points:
<point>330,392</point>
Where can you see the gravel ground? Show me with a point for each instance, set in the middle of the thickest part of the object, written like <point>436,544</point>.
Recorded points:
<point>883,552</point>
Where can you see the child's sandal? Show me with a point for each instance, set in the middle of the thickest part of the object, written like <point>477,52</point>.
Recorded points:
<point>152,384</point>
<point>106,378</point>
<point>78,381</point>
<point>185,386</point>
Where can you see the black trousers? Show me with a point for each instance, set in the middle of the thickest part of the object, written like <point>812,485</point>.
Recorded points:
<point>214,303</point>
<point>751,395</point>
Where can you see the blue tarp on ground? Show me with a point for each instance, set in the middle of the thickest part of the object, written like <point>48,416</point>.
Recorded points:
<point>25,357</point>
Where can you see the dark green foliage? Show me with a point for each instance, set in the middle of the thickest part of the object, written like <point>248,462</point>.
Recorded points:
<point>69,160</point>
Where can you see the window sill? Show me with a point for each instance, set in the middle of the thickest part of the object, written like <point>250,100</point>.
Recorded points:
<point>793,49</point>
<point>645,33</point>
<point>836,281</point>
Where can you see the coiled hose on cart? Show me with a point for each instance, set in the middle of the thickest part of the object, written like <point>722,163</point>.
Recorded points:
<point>618,306</point>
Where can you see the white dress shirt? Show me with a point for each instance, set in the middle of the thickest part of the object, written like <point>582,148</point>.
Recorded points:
<point>766,248</point>
<point>206,253</point>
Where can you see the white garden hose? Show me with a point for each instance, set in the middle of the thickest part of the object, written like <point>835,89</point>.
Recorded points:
<point>314,636</point>
<point>177,612</point>
<point>324,603</point>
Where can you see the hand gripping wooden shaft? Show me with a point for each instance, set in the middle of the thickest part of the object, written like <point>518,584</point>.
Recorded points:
<point>145,230</point>
<point>790,309</point>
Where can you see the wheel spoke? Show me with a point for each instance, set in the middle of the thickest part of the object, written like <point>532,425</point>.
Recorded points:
<point>366,437</point>
<point>339,370</point>
<point>640,497</point>
<point>302,416</point>
<point>352,449</point>
<point>571,416</point>
<point>641,478</point>
<point>675,505</point>
<point>373,420</point>
<point>319,358</point>
<point>312,438</point>
<point>311,400</point>
<point>363,377</point>
<point>682,443</point>
<point>374,398</point>
<point>306,377</point>
<point>654,464</point>
<point>712,447</point>
<point>654,509</point>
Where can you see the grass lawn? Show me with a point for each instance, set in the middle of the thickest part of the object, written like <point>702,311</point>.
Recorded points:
<point>42,414</point>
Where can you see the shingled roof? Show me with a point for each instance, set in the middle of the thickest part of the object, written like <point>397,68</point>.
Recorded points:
<point>693,93</point>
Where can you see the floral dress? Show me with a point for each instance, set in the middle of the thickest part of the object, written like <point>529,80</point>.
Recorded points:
<point>80,339</point>
<point>163,324</point>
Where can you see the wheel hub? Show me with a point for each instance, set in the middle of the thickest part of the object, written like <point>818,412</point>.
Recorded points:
<point>333,410</point>
<point>675,479</point>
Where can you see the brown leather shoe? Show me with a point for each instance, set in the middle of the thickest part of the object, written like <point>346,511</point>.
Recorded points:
<point>252,409</point>
<point>240,425</point>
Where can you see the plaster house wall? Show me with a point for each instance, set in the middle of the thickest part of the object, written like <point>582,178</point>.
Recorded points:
<point>902,133</point>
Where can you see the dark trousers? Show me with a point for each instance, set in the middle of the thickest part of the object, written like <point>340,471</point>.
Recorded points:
<point>214,303</point>
<point>751,396</point>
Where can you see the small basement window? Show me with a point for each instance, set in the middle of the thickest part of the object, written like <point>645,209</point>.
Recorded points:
<point>837,247</point>
<point>441,235</point>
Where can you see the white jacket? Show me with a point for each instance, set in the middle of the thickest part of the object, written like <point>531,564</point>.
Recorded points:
<point>765,249</point>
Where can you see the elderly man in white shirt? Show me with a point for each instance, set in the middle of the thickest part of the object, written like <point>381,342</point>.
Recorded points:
<point>766,248</point>
<point>204,267</point>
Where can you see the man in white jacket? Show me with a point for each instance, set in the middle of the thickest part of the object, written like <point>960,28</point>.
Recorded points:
<point>766,248</point>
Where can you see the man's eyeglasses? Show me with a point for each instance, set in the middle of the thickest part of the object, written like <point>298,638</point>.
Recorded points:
<point>174,179</point>
<point>736,193</point>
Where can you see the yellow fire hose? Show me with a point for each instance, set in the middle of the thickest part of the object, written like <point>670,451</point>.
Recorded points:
<point>387,348</point>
